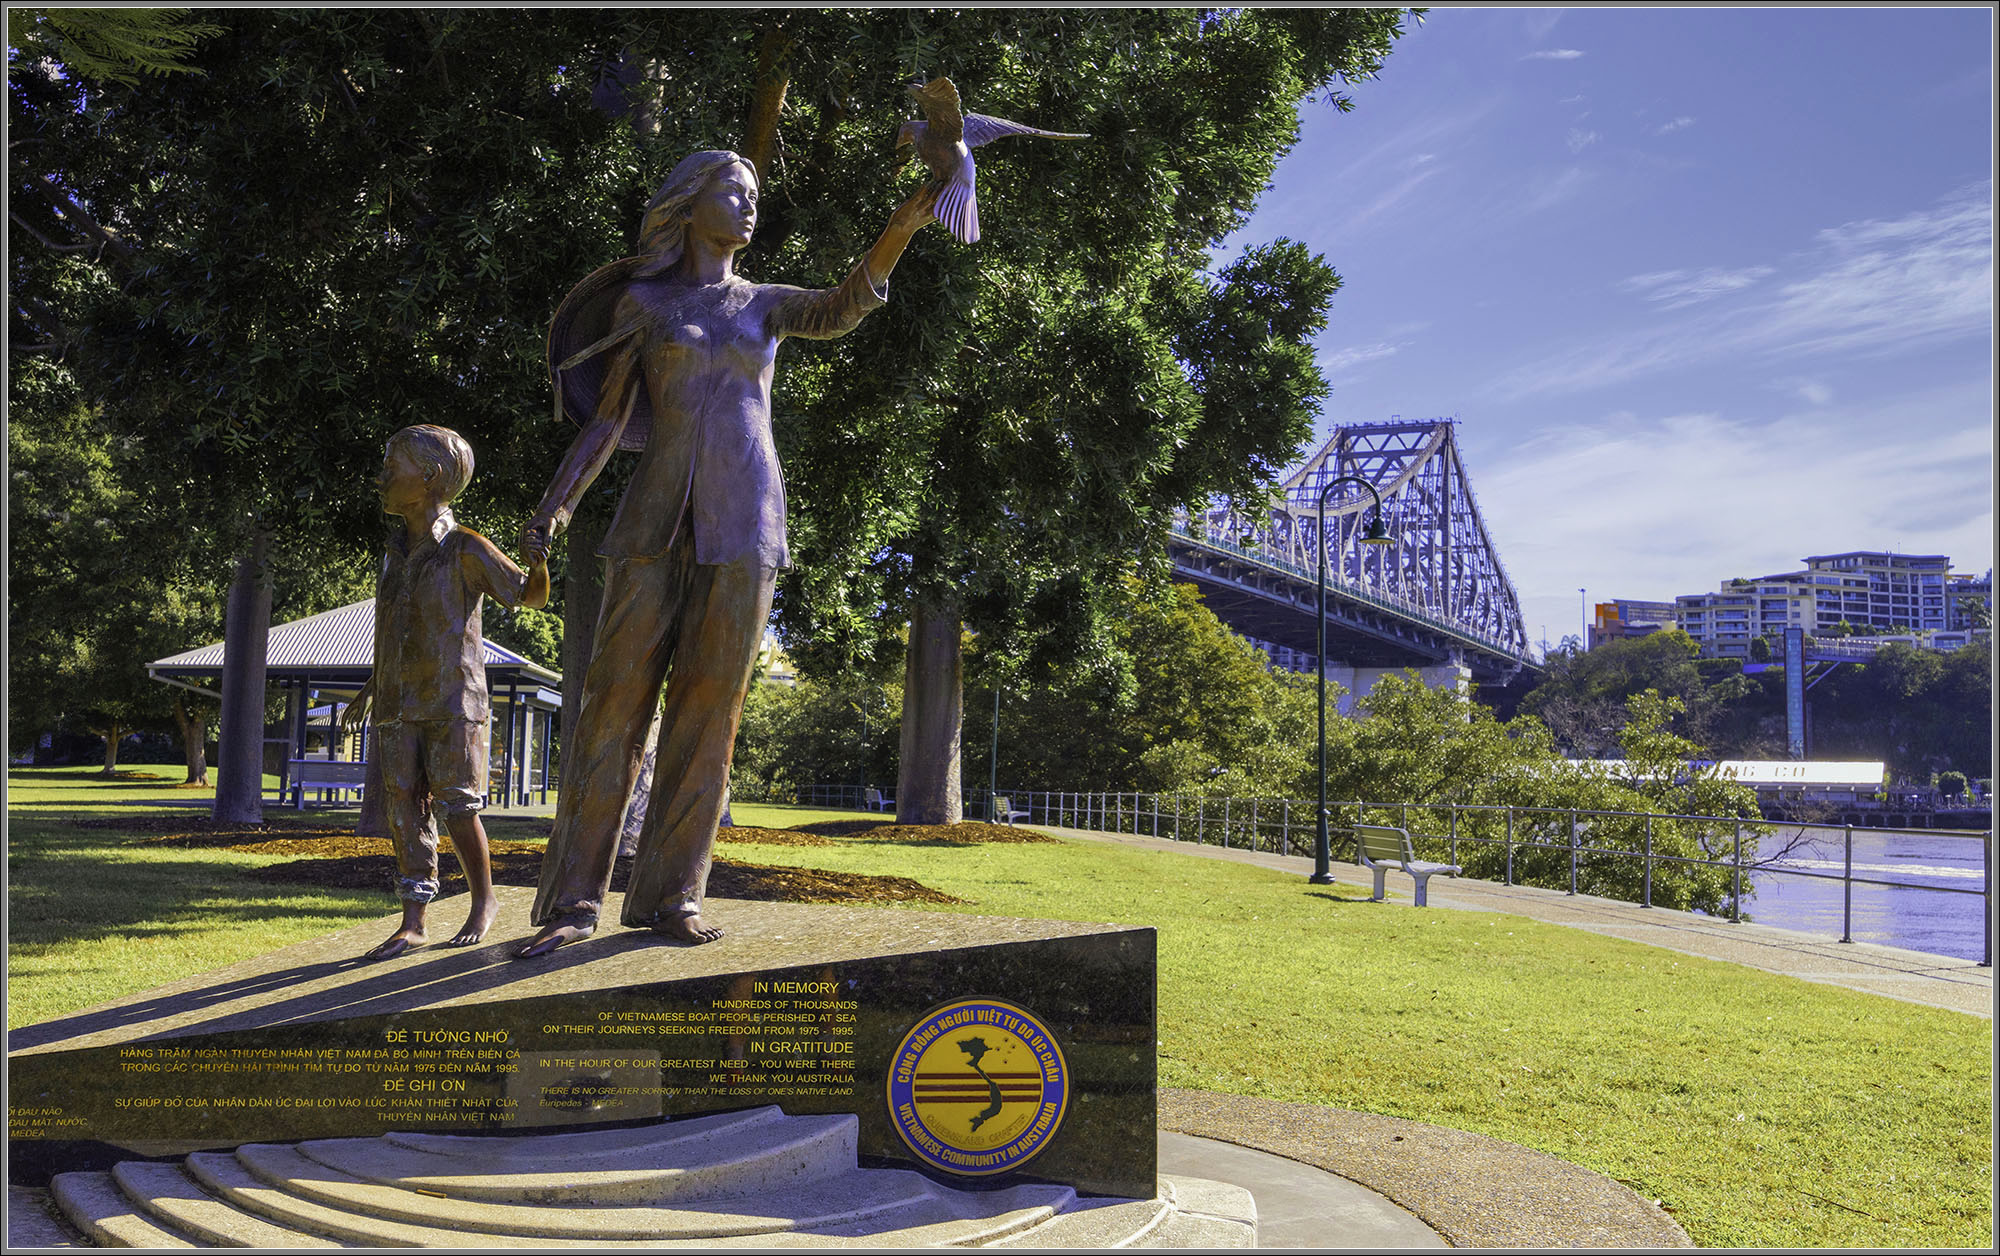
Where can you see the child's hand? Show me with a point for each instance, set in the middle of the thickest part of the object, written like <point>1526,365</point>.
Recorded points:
<point>536,540</point>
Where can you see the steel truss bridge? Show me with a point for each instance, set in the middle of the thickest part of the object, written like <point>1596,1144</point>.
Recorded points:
<point>1437,595</point>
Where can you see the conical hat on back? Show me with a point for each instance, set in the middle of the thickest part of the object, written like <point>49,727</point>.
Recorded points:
<point>581,334</point>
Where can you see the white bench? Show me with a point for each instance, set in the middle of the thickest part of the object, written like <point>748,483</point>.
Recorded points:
<point>327,775</point>
<point>1382,847</point>
<point>874,800</point>
<point>1003,810</point>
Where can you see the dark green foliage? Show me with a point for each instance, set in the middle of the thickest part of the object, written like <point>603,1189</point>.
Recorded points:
<point>815,733</point>
<point>1921,711</point>
<point>1013,429</point>
<point>116,45</point>
<point>97,582</point>
<point>1198,711</point>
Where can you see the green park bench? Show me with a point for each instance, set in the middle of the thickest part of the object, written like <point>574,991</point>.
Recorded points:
<point>326,775</point>
<point>1382,847</point>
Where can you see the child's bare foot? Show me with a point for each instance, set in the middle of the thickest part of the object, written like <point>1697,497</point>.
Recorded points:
<point>476,924</point>
<point>399,941</point>
<point>688,929</point>
<point>560,933</point>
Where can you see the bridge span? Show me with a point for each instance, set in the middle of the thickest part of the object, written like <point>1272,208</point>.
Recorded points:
<point>1436,598</point>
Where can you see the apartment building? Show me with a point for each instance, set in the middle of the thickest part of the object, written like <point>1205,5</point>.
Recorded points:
<point>1867,589</point>
<point>1625,617</point>
<point>1966,586</point>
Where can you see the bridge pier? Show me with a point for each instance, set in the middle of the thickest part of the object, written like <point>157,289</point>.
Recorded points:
<point>1360,681</point>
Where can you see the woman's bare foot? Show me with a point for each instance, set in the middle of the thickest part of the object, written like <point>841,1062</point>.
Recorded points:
<point>561,933</point>
<point>399,941</point>
<point>688,929</point>
<point>476,924</point>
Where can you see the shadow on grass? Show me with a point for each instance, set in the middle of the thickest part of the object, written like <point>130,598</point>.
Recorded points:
<point>1337,899</point>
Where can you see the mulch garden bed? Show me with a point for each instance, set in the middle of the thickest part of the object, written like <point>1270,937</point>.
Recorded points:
<point>520,863</point>
<point>964,833</point>
<point>338,858</point>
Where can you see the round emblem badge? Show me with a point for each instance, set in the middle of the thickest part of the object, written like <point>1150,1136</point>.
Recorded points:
<point>977,1087</point>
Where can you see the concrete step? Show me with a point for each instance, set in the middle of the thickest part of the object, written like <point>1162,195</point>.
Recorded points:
<point>856,1196</point>
<point>169,1195</point>
<point>1094,1223</point>
<point>674,1164</point>
<point>546,1147</point>
<point>95,1205</point>
<point>221,1173</point>
<point>381,1192</point>
<point>1205,1213</point>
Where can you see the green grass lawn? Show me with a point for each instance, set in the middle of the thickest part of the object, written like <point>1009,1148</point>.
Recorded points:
<point>1762,1110</point>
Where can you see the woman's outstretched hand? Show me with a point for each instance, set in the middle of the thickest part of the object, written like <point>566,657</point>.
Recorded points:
<point>912,214</point>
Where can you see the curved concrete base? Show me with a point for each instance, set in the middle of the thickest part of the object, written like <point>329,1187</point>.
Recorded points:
<point>1474,1190</point>
<point>743,1179</point>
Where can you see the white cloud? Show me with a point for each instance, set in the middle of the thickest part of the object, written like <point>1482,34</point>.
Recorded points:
<point>1812,390</point>
<point>1873,288</point>
<point>1677,288</point>
<point>1652,508</point>
<point>1572,100</point>
<point>1552,192</point>
<point>1678,124</point>
<point>1554,54</point>
<point>1580,139</point>
<point>1343,361</point>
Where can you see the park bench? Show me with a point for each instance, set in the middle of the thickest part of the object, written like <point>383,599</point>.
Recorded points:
<point>1003,810</point>
<point>1382,847</point>
<point>325,775</point>
<point>875,802</point>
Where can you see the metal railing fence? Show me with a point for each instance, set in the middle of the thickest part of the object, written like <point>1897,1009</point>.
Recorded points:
<point>1581,851</point>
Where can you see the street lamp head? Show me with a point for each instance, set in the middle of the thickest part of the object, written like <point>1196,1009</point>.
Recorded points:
<point>1376,532</point>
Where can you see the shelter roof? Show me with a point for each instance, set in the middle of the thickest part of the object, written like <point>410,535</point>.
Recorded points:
<point>331,642</point>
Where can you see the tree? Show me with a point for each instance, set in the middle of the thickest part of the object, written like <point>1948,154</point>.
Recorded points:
<point>1418,747</point>
<point>1173,702</point>
<point>1977,611</point>
<point>88,604</point>
<point>1022,419</point>
<point>261,342</point>
<point>115,45</point>
<point>1921,711</point>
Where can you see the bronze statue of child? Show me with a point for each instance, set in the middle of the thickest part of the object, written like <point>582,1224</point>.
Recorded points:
<point>430,707</point>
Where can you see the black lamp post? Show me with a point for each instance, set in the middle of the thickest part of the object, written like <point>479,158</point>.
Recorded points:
<point>1373,533</point>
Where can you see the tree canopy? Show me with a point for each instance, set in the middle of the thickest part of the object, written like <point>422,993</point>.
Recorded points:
<point>340,222</point>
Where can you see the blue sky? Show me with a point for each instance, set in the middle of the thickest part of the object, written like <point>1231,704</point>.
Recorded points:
<point>1708,289</point>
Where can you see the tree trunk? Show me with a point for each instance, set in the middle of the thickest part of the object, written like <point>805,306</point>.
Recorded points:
<point>774,54</point>
<point>239,787</point>
<point>927,788</point>
<point>110,733</point>
<point>194,740</point>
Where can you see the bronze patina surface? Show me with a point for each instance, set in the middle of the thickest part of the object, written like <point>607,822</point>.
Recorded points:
<point>672,353</point>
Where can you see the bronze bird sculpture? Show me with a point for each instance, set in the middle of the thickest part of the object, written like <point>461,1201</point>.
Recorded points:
<point>945,140</point>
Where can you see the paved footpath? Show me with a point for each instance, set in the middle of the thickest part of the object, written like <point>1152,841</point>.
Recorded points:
<point>1959,985</point>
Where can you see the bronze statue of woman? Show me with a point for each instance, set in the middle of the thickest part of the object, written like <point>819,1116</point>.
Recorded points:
<point>671,353</point>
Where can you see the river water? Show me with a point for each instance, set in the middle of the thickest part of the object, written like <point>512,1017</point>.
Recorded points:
<point>1935,904</point>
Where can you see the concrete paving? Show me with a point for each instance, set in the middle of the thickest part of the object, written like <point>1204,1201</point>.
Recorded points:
<point>1958,985</point>
<point>1298,1204</point>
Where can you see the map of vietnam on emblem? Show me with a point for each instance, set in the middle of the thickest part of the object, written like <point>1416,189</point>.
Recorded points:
<point>978,1087</point>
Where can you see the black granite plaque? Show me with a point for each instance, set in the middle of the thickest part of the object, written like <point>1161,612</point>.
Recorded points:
<point>618,1030</point>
